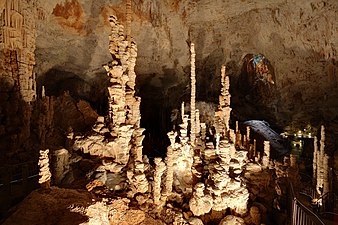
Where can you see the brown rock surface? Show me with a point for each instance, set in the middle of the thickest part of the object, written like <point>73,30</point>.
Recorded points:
<point>51,207</point>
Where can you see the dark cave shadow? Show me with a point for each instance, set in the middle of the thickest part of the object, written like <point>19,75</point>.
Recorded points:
<point>56,82</point>
<point>19,163</point>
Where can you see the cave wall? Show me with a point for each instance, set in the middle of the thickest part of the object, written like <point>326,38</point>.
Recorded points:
<point>298,37</point>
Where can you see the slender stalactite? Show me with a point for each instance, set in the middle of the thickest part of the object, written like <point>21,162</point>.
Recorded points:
<point>193,95</point>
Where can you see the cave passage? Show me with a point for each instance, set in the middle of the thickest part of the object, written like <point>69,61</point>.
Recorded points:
<point>155,118</point>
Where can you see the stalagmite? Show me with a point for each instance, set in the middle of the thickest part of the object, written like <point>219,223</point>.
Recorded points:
<point>200,203</point>
<point>203,131</point>
<point>193,95</point>
<point>182,110</point>
<point>315,160</point>
<point>266,155</point>
<point>326,174</point>
<point>320,165</point>
<point>159,170</point>
<point>43,93</point>
<point>128,21</point>
<point>293,162</point>
<point>254,149</point>
<point>60,165</point>
<point>45,174</point>
<point>247,136</point>
<point>170,163</point>
<point>198,124</point>
<point>225,82</point>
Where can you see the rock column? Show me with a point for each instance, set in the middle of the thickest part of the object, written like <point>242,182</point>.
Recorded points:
<point>45,174</point>
<point>320,158</point>
<point>315,161</point>
<point>326,174</point>
<point>159,169</point>
<point>266,156</point>
<point>170,163</point>
<point>193,95</point>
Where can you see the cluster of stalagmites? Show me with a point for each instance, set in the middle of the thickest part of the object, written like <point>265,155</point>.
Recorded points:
<point>201,171</point>
<point>118,138</point>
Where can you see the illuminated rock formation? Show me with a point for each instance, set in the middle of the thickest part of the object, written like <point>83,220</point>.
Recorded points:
<point>159,170</point>
<point>224,110</point>
<point>266,154</point>
<point>193,95</point>
<point>170,160</point>
<point>45,174</point>
<point>232,220</point>
<point>18,33</point>
<point>326,174</point>
<point>60,165</point>
<point>315,159</point>
<point>200,203</point>
<point>320,162</point>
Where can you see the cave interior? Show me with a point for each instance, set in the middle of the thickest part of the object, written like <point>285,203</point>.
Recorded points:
<point>174,111</point>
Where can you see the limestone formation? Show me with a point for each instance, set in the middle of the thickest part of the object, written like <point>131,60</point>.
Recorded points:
<point>315,160</point>
<point>320,162</point>
<point>138,182</point>
<point>232,220</point>
<point>193,95</point>
<point>45,174</point>
<point>159,170</point>
<point>182,110</point>
<point>255,215</point>
<point>266,155</point>
<point>224,110</point>
<point>326,174</point>
<point>200,203</point>
<point>198,123</point>
<point>60,165</point>
<point>195,221</point>
<point>170,159</point>
<point>18,35</point>
<point>208,172</point>
<point>128,21</point>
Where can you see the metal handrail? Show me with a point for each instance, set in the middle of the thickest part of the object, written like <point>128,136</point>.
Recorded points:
<point>300,214</point>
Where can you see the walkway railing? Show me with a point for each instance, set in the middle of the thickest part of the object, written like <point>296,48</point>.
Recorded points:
<point>16,182</point>
<point>300,214</point>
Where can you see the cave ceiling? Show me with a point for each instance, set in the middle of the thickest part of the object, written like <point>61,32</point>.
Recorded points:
<point>298,37</point>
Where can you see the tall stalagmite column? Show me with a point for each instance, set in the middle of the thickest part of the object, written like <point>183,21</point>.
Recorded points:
<point>45,174</point>
<point>266,155</point>
<point>314,165</point>
<point>320,158</point>
<point>170,163</point>
<point>159,170</point>
<point>225,97</point>
<point>128,21</point>
<point>193,95</point>
<point>326,174</point>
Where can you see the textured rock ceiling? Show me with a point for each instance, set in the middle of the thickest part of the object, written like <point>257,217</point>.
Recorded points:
<point>299,37</point>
